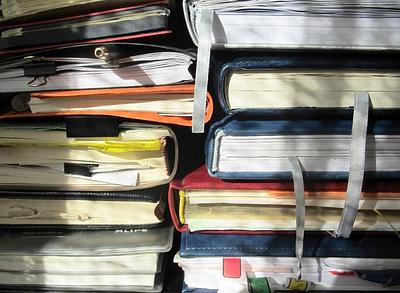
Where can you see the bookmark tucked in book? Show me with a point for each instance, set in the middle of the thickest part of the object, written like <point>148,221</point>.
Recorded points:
<point>200,202</point>
<point>87,155</point>
<point>114,260</point>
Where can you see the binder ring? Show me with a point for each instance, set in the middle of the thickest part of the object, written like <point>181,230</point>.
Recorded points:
<point>41,79</point>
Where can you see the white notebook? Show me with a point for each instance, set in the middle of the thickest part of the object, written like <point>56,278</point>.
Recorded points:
<point>292,24</point>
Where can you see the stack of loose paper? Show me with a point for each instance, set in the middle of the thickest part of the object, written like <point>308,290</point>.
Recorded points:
<point>148,69</point>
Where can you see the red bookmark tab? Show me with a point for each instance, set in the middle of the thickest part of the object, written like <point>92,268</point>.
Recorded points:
<point>231,268</point>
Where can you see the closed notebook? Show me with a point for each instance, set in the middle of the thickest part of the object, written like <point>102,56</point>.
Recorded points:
<point>297,24</point>
<point>256,146</point>
<point>16,11</point>
<point>143,208</point>
<point>200,202</point>
<point>306,81</point>
<point>126,21</point>
<point>215,261</point>
<point>165,104</point>
<point>91,67</point>
<point>86,154</point>
<point>117,260</point>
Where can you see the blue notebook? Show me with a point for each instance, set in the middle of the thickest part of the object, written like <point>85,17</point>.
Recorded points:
<point>318,81</point>
<point>254,145</point>
<point>360,245</point>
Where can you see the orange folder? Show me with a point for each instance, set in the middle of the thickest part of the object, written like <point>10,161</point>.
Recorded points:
<point>145,116</point>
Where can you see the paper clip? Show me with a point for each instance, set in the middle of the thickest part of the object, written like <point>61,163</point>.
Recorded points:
<point>42,81</point>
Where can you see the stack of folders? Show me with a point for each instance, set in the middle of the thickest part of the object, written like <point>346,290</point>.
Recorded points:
<point>85,161</point>
<point>301,185</point>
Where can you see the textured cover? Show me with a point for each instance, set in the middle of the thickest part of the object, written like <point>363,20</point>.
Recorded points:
<point>145,116</point>
<point>300,60</point>
<point>258,123</point>
<point>359,245</point>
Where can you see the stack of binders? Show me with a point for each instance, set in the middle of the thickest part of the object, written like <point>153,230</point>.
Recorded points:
<point>300,190</point>
<point>84,157</point>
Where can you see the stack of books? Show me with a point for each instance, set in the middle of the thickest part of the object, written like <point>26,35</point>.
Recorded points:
<point>85,155</point>
<point>300,187</point>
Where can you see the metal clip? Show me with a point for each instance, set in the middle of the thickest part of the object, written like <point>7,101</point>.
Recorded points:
<point>42,80</point>
<point>109,54</point>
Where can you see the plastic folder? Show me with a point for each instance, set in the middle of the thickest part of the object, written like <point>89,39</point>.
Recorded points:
<point>170,104</point>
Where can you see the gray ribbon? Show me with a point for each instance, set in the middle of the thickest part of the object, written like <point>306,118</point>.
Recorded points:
<point>202,68</point>
<point>357,165</point>
<point>298,183</point>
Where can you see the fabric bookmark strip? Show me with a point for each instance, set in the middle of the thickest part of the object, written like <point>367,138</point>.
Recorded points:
<point>357,165</point>
<point>300,209</point>
<point>202,68</point>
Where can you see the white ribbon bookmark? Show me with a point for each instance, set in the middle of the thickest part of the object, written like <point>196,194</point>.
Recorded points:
<point>202,68</point>
<point>357,165</point>
<point>298,183</point>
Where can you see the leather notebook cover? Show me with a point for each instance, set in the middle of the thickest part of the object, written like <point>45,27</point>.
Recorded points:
<point>360,245</point>
<point>201,180</point>
<point>225,147</point>
<point>314,65</point>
